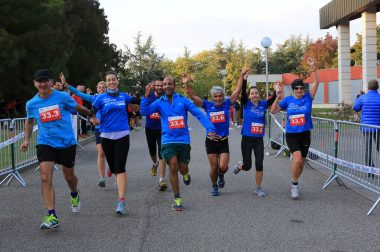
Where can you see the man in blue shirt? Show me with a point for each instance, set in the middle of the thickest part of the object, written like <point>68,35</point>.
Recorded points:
<point>56,142</point>
<point>175,141</point>
<point>369,104</point>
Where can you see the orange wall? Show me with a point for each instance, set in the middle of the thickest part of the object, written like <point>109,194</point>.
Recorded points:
<point>327,75</point>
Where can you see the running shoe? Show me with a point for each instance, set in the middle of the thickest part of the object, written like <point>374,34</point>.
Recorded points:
<point>120,209</point>
<point>187,179</point>
<point>163,185</point>
<point>259,192</point>
<point>236,167</point>
<point>221,181</point>
<point>75,204</point>
<point>215,191</point>
<point>153,170</point>
<point>294,192</point>
<point>49,222</point>
<point>177,206</point>
<point>102,182</point>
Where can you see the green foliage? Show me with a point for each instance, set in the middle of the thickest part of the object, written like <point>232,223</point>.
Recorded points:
<point>143,64</point>
<point>62,35</point>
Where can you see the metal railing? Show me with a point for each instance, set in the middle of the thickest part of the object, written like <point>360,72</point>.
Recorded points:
<point>11,159</point>
<point>349,150</point>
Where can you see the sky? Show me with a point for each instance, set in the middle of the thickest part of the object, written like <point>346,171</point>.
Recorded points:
<point>199,24</point>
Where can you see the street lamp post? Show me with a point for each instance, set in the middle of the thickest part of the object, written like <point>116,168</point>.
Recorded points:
<point>266,42</point>
<point>223,73</point>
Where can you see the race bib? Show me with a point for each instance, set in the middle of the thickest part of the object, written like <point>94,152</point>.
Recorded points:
<point>257,128</point>
<point>155,116</point>
<point>50,113</point>
<point>297,120</point>
<point>217,117</point>
<point>176,122</point>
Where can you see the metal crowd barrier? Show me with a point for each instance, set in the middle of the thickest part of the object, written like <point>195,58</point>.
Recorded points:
<point>349,150</point>
<point>12,134</point>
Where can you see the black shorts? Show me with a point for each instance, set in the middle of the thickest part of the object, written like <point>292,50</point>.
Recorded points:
<point>217,147</point>
<point>299,142</point>
<point>65,156</point>
<point>98,139</point>
<point>153,138</point>
<point>116,152</point>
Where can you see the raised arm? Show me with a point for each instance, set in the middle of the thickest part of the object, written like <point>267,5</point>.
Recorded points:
<point>279,96</point>
<point>186,80</point>
<point>313,69</point>
<point>242,79</point>
<point>86,97</point>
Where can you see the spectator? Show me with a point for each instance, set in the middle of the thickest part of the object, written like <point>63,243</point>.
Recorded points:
<point>369,105</point>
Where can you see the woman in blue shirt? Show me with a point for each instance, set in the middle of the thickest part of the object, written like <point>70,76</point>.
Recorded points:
<point>253,131</point>
<point>114,131</point>
<point>298,124</point>
<point>101,88</point>
<point>217,111</point>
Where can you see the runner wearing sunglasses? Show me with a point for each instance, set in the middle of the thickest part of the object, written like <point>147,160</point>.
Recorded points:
<point>298,124</point>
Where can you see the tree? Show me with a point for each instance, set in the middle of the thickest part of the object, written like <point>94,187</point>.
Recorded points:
<point>143,64</point>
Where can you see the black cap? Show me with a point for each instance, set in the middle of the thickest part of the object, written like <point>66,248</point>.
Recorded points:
<point>298,82</point>
<point>42,74</point>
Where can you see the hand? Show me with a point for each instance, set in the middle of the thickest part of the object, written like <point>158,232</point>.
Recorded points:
<point>94,121</point>
<point>311,63</point>
<point>212,135</point>
<point>148,89</point>
<point>24,146</point>
<point>63,80</point>
<point>185,78</point>
<point>245,72</point>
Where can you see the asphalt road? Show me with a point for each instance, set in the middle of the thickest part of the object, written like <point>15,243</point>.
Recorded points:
<point>330,220</point>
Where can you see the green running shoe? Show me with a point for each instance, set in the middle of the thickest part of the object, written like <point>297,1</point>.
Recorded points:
<point>49,222</point>
<point>187,179</point>
<point>177,206</point>
<point>75,204</point>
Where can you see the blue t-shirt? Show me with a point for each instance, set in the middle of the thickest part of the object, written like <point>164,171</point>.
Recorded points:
<point>298,113</point>
<point>174,117</point>
<point>219,116</point>
<point>54,119</point>
<point>113,112</point>
<point>254,119</point>
<point>153,121</point>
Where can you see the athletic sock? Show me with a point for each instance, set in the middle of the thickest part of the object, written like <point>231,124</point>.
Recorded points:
<point>52,211</point>
<point>74,194</point>
<point>177,195</point>
<point>122,199</point>
<point>161,179</point>
<point>294,183</point>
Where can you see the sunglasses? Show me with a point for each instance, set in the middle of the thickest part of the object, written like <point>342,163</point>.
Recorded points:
<point>298,88</point>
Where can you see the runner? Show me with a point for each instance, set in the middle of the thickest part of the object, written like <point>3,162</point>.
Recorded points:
<point>56,142</point>
<point>101,88</point>
<point>217,111</point>
<point>114,131</point>
<point>298,124</point>
<point>253,131</point>
<point>175,142</point>
<point>153,134</point>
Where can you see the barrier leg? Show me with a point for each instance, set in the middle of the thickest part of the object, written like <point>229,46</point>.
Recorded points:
<point>333,177</point>
<point>55,167</point>
<point>279,152</point>
<point>269,141</point>
<point>17,175</point>
<point>373,207</point>
<point>81,146</point>
<point>9,175</point>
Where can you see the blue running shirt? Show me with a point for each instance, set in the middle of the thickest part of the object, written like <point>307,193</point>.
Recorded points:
<point>54,118</point>
<point>298,117</point>
<point>254,119</point>
<point>113,112</point>
<point>219,116</point>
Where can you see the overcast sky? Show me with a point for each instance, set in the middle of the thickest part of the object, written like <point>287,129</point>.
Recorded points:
<point>199,24</point>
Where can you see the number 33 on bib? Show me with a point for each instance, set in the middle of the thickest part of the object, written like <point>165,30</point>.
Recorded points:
<point>297,120</point>
<point>257,128</point>
<point>50,113</point>
<point>176,122</point>
<point>217,117</point>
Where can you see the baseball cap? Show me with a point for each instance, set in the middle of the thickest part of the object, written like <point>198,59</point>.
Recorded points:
<point>42,74</point>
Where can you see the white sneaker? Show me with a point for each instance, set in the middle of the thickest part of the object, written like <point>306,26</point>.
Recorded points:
<point>294,192</point>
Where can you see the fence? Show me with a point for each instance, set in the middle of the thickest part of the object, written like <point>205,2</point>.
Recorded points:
<point>348,150</point>
<point>11,159</point>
